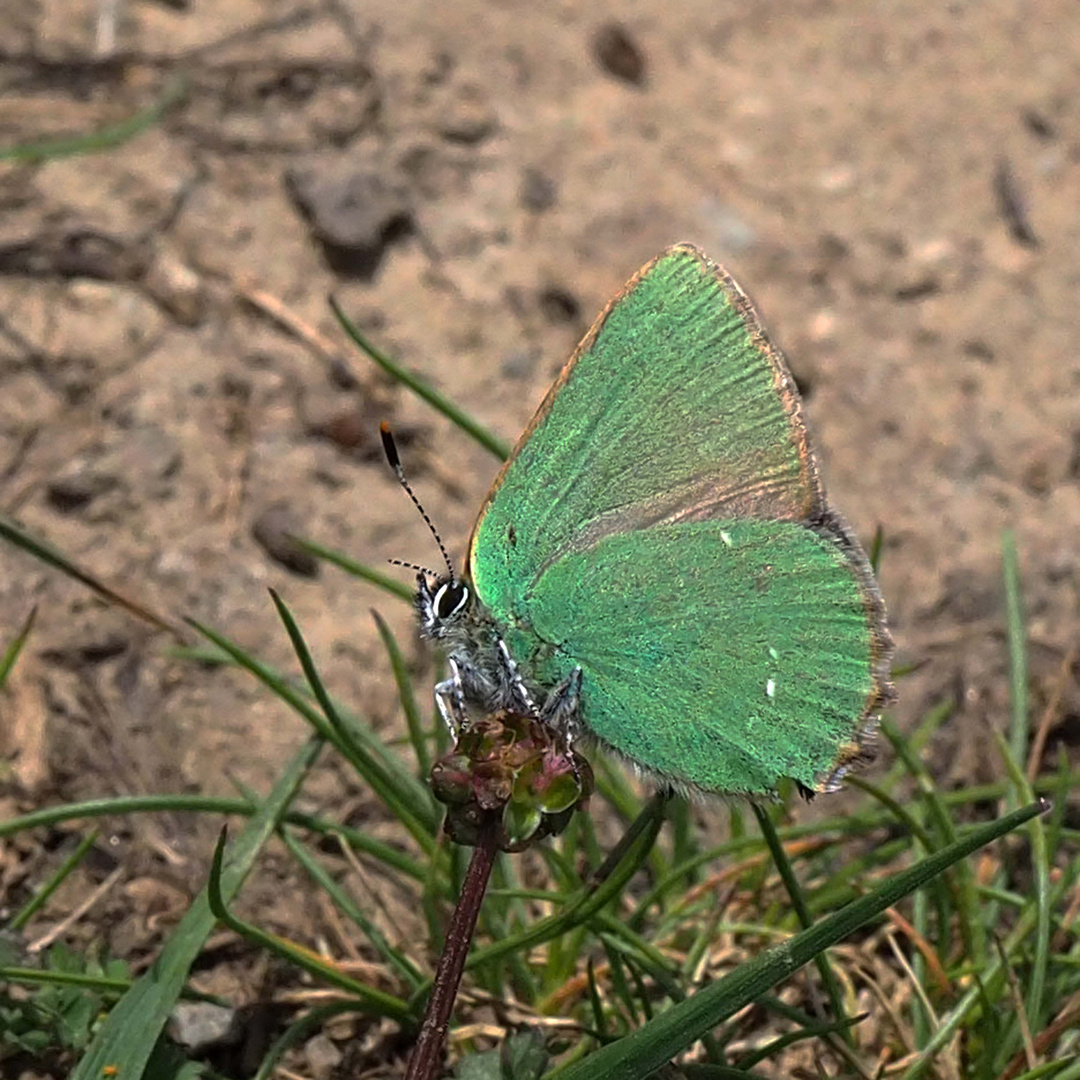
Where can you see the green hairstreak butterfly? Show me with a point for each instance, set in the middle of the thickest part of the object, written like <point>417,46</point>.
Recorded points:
<point>657,565</point>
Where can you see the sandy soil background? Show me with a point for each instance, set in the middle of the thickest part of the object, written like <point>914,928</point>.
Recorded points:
<point>896,184</point>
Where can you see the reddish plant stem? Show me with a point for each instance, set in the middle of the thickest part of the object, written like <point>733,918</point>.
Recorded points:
<point>427,1055</point>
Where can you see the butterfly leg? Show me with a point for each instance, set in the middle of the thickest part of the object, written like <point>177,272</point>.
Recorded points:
<point>561,708</point>
<point>510,664</point>
<point>450,698</point>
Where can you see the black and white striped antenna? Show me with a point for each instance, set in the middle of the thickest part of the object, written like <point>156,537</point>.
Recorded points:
<point>390,449</point>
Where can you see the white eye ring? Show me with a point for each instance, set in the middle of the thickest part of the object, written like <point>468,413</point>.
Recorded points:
<point>436,600</point>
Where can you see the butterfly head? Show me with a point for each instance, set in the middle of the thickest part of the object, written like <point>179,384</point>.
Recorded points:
<point>442,604</point>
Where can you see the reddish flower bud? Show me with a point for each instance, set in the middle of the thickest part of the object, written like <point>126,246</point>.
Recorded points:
<point>516,766</point>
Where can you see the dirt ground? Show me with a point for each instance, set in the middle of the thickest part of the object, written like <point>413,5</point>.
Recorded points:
<point>895,184</point>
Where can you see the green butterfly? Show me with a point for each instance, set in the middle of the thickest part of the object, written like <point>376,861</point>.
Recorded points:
<point>657,565</point>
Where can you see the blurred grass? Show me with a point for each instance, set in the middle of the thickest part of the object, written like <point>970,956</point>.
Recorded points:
<point>105,138</point>
<point>620,956</point>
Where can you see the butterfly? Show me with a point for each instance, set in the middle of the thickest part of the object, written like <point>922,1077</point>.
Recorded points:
<point>657,565</point>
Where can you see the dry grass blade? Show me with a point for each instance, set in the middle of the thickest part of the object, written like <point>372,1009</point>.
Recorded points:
<point>1067,1019</point>
<point>1018,1005</point>
<point>289,320</point>
<point>933,961</point>
<point>1051,713</point>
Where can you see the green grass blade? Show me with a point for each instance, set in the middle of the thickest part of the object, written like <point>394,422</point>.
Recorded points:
<point>11,653</point>
<point>637,1055</point>
<point>906,819</point>
<point>814,1031</point>
<point>620,985</point>
<point>1014,623</point>
<point>877,546</point>
<point>1036,1005</point>
<point>599,1019</point>
<point>660,973</point>
<point>418,737</point>
<point>920,914</point>
<point>706,933</point>
<point>299,1032</point>
<point>942,889</point>
<point>46,977</point>
<point>358,569</point>
<point>397,787</point>
<point>22,917</point>
<point>417,815</point>
<point>1069,1070</point>
<point>917,740</point>
<point>648,954</point>
<point>368,998</point>
<point>642,992</point>
<point>212,804</point>
<point>125,1040</point>
<point>422,389</point>
<point>972,928</point>
<point>15,534</point>
<point>989,981</point>
<point>798,901</point>
<point>105,138</point>
<point>1060,799</point>
<point>392,956</point>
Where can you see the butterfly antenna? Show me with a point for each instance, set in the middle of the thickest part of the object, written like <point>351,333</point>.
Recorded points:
<point>412,566</point>
<point>390,449</point>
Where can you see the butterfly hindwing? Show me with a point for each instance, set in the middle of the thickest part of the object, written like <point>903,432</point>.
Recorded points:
<point>719,655</point>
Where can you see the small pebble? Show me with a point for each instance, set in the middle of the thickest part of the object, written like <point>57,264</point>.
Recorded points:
<point>617,53</point>
<point>70,494</point>
<point>538,191</point>
<point>273,531</point>
<point>468,119</point>
<point>177,288</point>
<point>199,1026</point>
<point>323,1057</point>
<point>559,306</point>
<point>356,213</point>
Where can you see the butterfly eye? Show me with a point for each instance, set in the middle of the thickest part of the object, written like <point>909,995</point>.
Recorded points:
<point>450,599</point>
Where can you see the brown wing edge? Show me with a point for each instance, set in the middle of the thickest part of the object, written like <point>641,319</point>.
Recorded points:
<point>860,750</point>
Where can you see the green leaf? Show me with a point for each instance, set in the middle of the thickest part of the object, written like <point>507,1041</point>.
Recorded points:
<point>482,1066</point>
<point>524,1056</point>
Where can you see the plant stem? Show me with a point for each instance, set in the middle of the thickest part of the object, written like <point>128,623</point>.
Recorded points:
<point>427,1054</point>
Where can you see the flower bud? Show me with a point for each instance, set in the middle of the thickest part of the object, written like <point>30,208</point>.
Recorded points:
<point>515,766</point>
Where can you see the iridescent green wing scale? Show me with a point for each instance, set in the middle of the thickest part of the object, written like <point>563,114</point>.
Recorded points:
<point>662,525</point>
